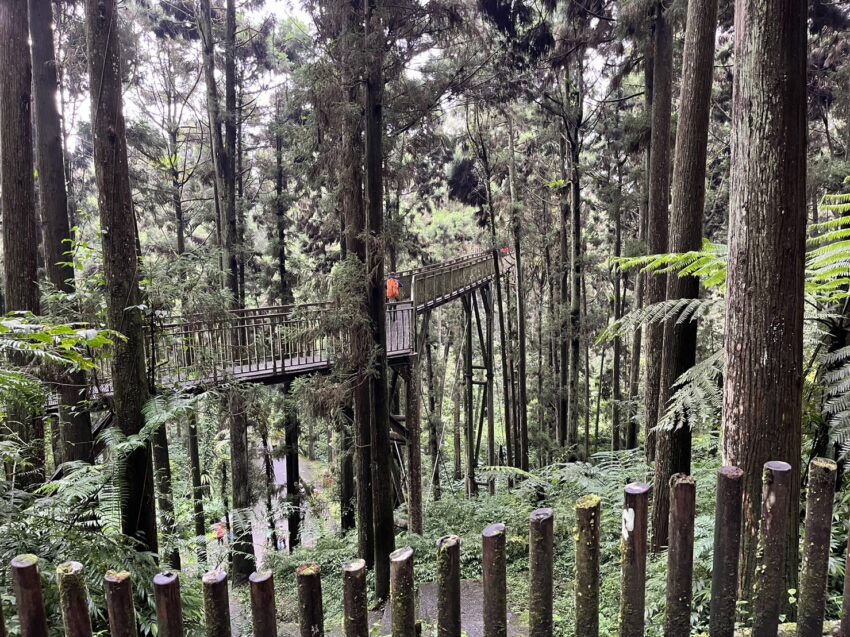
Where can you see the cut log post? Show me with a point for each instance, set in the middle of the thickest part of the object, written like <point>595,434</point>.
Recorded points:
<point>819,500</point>
<point>169,611</point>
<point>356,620</point>
<point>263,608</point>
<point>588,514</point>
<point>311,617</point>
<point>727,544</point>
<point>680,556</point>
<point>119,604</point>
<point>494,581</point>
<point>29,599</point>
<point>402,593</point>
<point>74,600</point>
<point>541,564</point>
<point>216,604</point>
<point>633,591</point>
<point>448,586</point>
<point>769,591</point>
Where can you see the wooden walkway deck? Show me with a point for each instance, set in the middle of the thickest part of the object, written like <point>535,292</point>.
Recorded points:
<point>271,344</point>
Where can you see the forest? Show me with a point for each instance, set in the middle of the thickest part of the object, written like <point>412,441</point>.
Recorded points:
<point>484,317</point>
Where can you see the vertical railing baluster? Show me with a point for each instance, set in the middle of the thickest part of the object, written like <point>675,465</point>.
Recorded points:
<point>768,589</point>
<point>588,524</point>
<point>73,600</point>
<point>821,492</point>
<point>29,598</point>
<point>448,586</point>
<point>680,556</point>
<point>169,610</point>
<point>402,593</point>
<point>541,565</point>
<point>119,604</point>
<point>263,609</point>
<point>216,604</point>
<point>633,591</point>
<point>494,581</point>
<point>311,615</point>
<point>356,616</point>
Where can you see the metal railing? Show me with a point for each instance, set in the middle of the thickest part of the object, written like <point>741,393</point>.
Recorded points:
<point>269,342</point>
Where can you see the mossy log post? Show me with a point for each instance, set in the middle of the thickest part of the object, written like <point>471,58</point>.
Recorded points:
<point>821,492</point>
<point>633,591</point>
<point>769,590</point>
<point>727,544</point>
<point>356,620</point>
<point>28,596</point>
<point>540,565</point>
<point>74,600</point>
<point>402,593</point>
<point>263,609</point>
<point>448,586</point>
<point>216,604</point>
<point>119,604</point>
<point>588,523</point>
<point>494,581</point>
<point>680,556</point>
<point>311,616</point>
<point>169,611</point>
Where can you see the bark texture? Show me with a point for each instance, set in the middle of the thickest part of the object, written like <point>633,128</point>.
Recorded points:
<point>763,343</point>
<point>673,447</point>
<point>120,263</point>
<point>657,212</point>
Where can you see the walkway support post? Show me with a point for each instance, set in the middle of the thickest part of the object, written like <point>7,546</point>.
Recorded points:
<point>469,407</point>
<point>448,586</point>
<point>727,544</point>
<point>28,596</point>
<point>293,474</point>
<point>74,600</point>
<point>119,604</point>
<point>263,609</point>
<point>311,614</point>
<point>769,589</point>
<point>540,566</point>
<point>494,581</point>
<point>356,619</point>
<point>821,492</point>
<point>487,295</point>
<point>680,556</point>
<point>402,593</point>
<point>169,611</point>
<point>633,592</point>
<point>588,526</point>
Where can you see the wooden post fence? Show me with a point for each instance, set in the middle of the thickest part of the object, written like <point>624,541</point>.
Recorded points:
<point>32,617</point>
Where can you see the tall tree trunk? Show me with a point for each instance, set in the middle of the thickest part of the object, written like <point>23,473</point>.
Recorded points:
<point>347,493</point>
<point>573,406</point>
<point>280,205</point>
<point>673,448</point>
<point>457,402</point>
<point>354,214</point>
<point>197,490</point>
<point>522,383</point>
<point>240,473</point>
<point>120,262</point>
<point>412,388</point>
<point>221,160</point>
<point>74,420</point>
<point>616,374</point>
<point>382,496</point>
<point>564,325</point>
<point>763,373</point>
<point>658,214</point>
<point>231,225</point>
<point>165,499</point>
